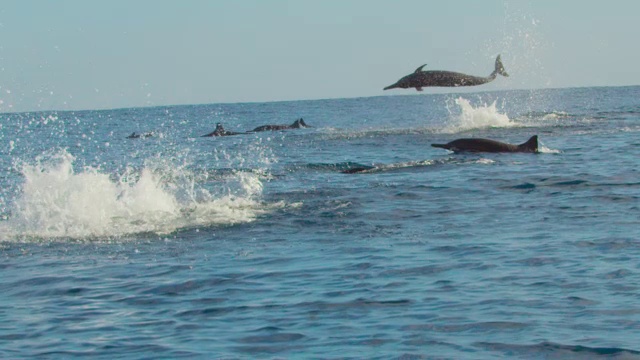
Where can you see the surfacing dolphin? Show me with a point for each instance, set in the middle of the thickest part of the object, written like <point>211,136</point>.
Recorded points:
<point>296,125</point>
<point>220,131</point>
<point>135,135</point>
<point>420,79</point>
<point>487,145</point>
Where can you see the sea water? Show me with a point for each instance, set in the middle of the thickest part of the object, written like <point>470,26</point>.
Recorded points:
<point>261,246</point>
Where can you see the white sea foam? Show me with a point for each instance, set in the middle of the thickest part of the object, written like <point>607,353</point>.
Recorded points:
<point>545,150</point>
<point>57,202</point>
<point>467,117</point>
<point>555,115</point>
<point>484,161</point>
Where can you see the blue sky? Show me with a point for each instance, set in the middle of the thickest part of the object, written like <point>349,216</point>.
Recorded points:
<point>79,54</point>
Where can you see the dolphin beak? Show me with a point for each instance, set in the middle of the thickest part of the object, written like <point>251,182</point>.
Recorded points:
<point>391,87</point>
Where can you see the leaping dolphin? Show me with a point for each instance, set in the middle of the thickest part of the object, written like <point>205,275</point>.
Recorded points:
<point>420,79</point>
<point>487,145</point>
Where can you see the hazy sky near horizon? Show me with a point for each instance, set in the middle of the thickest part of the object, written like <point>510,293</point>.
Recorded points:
<point>78,54</point>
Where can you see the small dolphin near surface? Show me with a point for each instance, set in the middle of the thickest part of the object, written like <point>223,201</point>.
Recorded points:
<point>487,145</point>
<point>296,125</point>
<point>419,79</point>
<point>220,131</point>
<point>135,135</point>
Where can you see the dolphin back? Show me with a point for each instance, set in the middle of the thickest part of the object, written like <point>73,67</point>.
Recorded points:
<point>442,146</point>
<point>488,145</point>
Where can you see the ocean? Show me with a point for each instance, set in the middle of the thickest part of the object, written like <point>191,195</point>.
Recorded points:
<point>266,246</point>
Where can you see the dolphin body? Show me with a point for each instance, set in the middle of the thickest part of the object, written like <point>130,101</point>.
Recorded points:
<point>135,135</point>
<point>419,79</point>
<point>487,145</point>
<point>220,131</point>
<point>296,125</point>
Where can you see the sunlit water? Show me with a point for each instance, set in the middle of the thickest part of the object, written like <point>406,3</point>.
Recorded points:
<point>259,246</point>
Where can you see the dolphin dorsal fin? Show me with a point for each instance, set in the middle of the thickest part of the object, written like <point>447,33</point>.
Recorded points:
<point>420,68</point>
<point>531,145</point>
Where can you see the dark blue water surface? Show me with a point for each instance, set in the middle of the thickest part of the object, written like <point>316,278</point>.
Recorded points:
<point>259,246</point>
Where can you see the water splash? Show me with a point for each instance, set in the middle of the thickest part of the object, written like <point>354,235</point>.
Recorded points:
<point>55,201</point>
<point>469,117</point>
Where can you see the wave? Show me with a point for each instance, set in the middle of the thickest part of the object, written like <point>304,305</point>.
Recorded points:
<point>389,167</point>
<point>545,115</point>
<point>366,169</point>
<point>550,350</point>
<point>57,202</point>
<point>332,167</point>
<point>463,117</point>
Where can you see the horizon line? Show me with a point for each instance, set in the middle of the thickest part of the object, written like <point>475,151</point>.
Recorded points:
<point>299,100</point>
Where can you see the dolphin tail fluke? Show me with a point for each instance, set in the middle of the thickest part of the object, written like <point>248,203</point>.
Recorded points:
<point>531,145</point>
<point>499,68</point>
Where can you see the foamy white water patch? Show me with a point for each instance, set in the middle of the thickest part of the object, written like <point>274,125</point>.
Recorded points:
<point>484,161</point>
<point>467,117</point>
<point>555,115</point>
<point>546,150</point>
<point>56,201</point>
